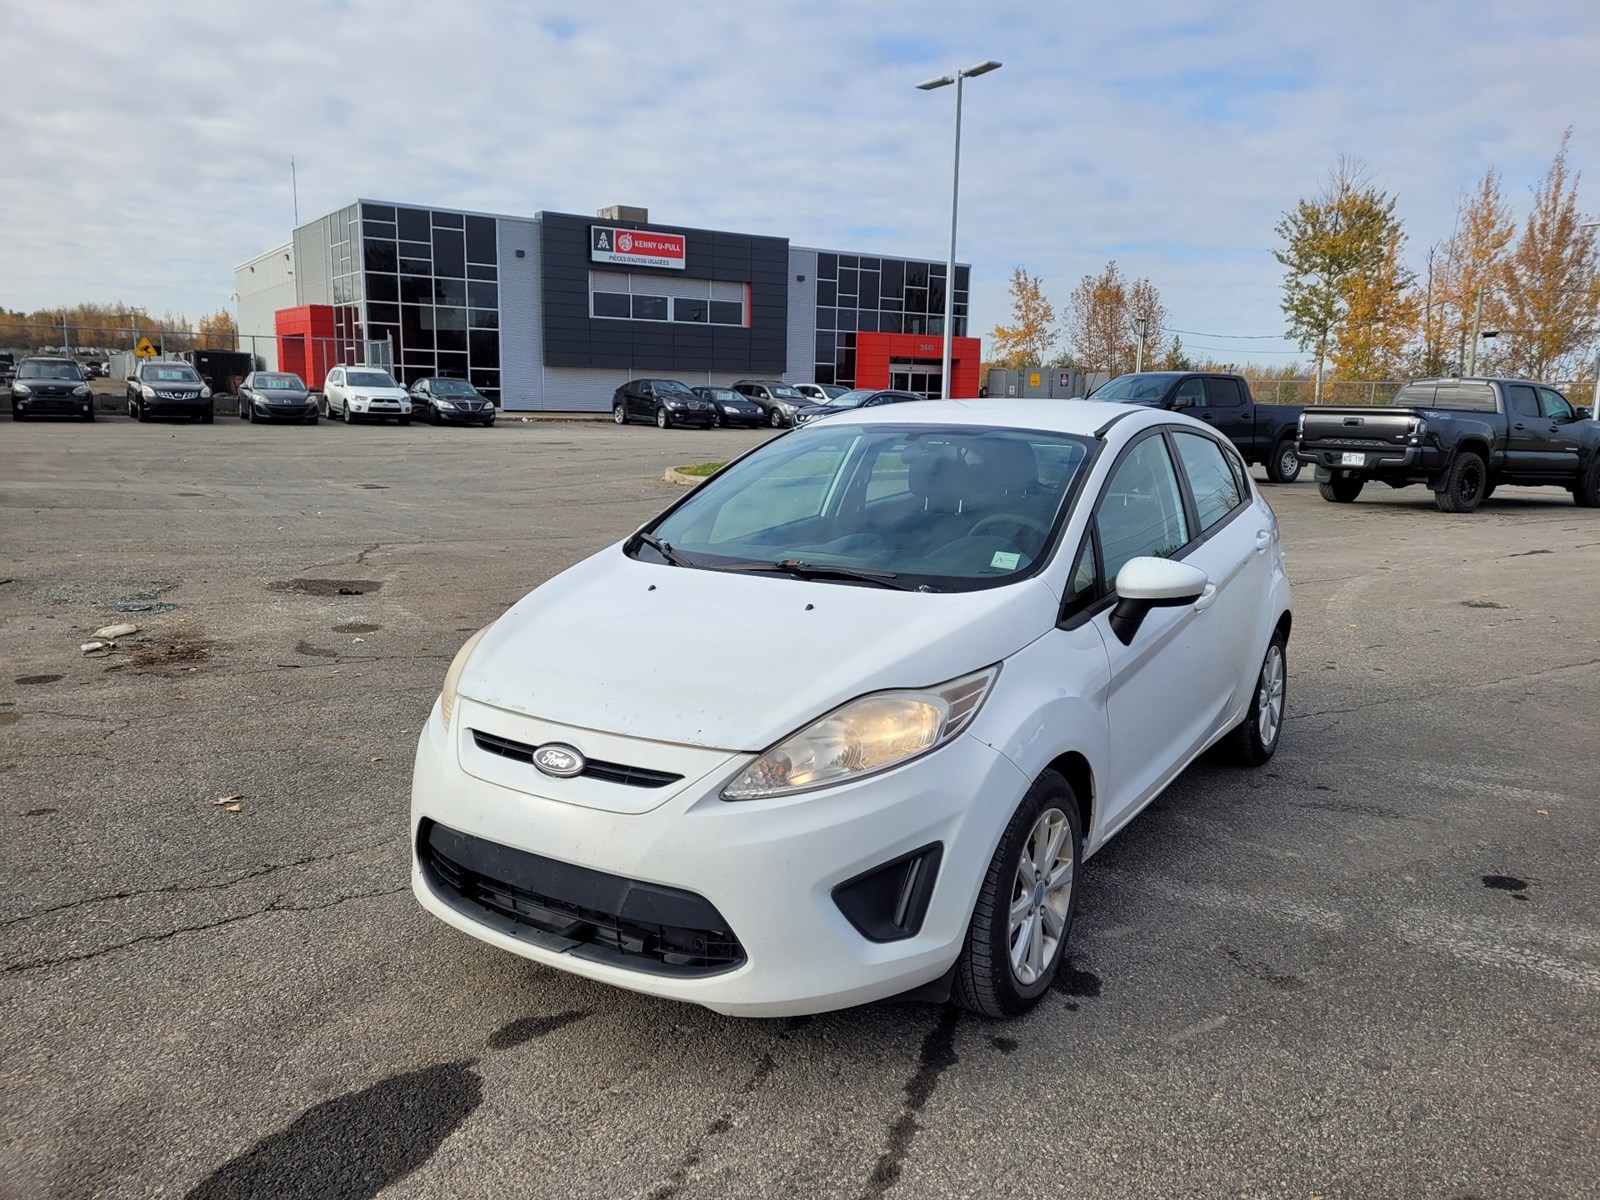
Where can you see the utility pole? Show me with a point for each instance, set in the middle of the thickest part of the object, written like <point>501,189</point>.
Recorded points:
<point>294,186</point>
<point>1140,325</point>
<point>1472,346</point>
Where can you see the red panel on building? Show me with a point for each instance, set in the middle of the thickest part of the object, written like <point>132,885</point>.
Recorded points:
<point>875,351</point>
<point>306,343</point>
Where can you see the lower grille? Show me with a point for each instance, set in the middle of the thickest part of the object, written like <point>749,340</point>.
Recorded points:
<point>593,769</point>
<point>575,910</point>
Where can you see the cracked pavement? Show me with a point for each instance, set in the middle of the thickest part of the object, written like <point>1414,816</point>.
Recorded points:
<point>1371,969</point>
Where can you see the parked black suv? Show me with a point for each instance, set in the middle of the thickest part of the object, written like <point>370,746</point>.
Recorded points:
<point>163,389</point>
<point>668,402</point>
<point>50,387</point>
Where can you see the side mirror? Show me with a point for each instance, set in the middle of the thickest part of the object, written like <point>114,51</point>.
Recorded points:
<point>1583,413</point>
<point>1182,402</point>
<point>1146,583</point>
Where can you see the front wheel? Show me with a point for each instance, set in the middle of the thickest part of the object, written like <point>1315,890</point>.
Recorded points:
<point>618,415</point>
<point>312,419</point>
<point>1020,924</point>
<point>1255,739</point>
<point>662,420</point>
<point>716,420</point>
<point>405,420</point>
<point>775,419</point>
<point>142,413</point>
<point>349,416</point>
<point>1341,489</point>
<point>89,416</point>
<point>1283,464</point>
<point>1464,485</point>
<point>208,416</point>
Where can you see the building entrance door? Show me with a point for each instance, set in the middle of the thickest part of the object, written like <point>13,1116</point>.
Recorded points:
<point>920,375</point>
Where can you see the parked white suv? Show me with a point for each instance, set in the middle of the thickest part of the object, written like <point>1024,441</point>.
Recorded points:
<point>359,392</point>
<point>820,393</point>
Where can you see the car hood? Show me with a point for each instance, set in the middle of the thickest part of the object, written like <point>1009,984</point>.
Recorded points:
<point>280,395</point>
<point>377,393</point>
<point>730,661</point>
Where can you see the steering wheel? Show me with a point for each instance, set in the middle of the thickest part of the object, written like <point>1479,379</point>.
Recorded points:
<point>993,519</point>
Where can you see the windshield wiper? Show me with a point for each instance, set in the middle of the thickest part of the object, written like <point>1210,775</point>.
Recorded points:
<point>805,570</point>
<point>662,548</point>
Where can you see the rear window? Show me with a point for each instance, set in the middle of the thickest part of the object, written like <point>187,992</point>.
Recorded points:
<point>1471,395</point>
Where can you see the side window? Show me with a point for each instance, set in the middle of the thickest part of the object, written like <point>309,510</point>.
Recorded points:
<point>1192,390</point>
<point>1083,588</point>
<point>1141,510</point>
<point>1555,405</point>
<point>1523,402</point>
<point>1223,393</point>
<point>1216,490</point>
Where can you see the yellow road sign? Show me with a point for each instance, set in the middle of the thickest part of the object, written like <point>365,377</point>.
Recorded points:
<point>144,349</point>
<point>1033,379</point>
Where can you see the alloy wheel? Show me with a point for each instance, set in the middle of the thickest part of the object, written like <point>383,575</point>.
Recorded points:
<point>1041,896</point>
<point>1269,696</point>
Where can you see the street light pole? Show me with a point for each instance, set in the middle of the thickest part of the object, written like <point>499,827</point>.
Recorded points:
<point>929,85</point>
<point>1140,324</point>
<point>1594,405</point>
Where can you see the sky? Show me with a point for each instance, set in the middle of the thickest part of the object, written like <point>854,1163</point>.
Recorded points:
<point>145,148</point>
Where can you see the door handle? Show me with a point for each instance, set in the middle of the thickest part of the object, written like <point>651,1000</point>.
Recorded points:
<point>1263,540</point>
<point>1207,598</point>
<point>1519,425</point>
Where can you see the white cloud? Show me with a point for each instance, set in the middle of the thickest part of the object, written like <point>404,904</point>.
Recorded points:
<point>147,154</point>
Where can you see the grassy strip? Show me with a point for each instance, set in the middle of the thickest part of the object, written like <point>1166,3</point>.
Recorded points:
<point>700,470</point>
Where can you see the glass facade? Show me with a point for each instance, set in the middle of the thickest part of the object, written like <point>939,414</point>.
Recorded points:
<point>432,289</point>
<point>858,293</point>
<point>344,251</point>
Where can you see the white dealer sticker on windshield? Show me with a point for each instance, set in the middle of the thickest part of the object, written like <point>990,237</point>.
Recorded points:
<point>1006,560</point>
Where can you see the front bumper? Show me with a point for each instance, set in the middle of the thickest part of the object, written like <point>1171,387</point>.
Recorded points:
<point>284,412</point>
<point>465,416</point>
<point>175,404</point>
<point>62,406</point>
<point>379,408</point>
<point>767,868</point>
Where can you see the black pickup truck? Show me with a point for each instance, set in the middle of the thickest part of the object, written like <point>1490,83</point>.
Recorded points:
<point>1461,437</point>
<point>1264,433</point>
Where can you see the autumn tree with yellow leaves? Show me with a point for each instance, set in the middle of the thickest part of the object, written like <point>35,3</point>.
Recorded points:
<point>1027,340</point>
<point>219,331</point>
<point>1102,316</point>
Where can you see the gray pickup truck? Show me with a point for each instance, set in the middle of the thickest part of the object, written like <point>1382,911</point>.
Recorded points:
<point>1460,437</point>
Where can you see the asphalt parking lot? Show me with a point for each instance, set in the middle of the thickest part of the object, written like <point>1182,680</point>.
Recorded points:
<point>1370,970</point>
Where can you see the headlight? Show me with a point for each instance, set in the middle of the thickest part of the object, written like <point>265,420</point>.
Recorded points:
<point>205,393</point>
<point>359,399</point>
<point>864,737</point>
<point>452,677</point>
<point>81,391</point>
<point>147,391</point>
<point>22,389</point>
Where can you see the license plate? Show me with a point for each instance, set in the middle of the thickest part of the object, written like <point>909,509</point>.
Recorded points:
<point>1349,459</point>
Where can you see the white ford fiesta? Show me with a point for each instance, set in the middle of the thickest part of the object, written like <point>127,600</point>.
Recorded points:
<point>844,723</point>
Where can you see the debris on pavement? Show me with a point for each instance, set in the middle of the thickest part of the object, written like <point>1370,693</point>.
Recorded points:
<point>111,633</point>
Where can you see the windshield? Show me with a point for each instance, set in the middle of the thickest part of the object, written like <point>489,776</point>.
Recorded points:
<point>671,385</point>
<point>170,373</point>
<point>723,394</point>
<point>784,392</point>
<point>49,370</point>
<point>1135,389</point>
<point>950,508</point>
<point>279,383</point>
<point>374,379</point>
<point>451,387</point>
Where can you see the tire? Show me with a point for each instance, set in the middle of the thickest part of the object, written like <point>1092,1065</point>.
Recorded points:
<point>1255,739</point>
<point>1341,489</point>
<point>16,413</point>
<point>986,981</point>
<point>1586,492</point>
<point>775,418</point>
<point>89,416</point>
<point>1283,464</point>
<point>208,416</point>
<point>663,421</point>
<point>405,420</point>
<point>312,419</point>
<point>244,410</point>
<point>433,415</point>
<point>619,415</point>
<point>349,416</point>
<point>142,414</point>
<point>716,420</point>
<point>1464,484</point>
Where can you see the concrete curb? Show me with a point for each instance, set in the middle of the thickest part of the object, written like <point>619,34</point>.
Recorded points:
<point>672,475</point>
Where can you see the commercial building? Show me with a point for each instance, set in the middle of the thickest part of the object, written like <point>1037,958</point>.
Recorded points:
<point>555,311</point>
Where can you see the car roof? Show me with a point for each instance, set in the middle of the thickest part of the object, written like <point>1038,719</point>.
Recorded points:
<point>1083,418</point>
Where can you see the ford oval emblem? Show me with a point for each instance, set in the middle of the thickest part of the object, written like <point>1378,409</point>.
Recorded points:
<point>561,761</point>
